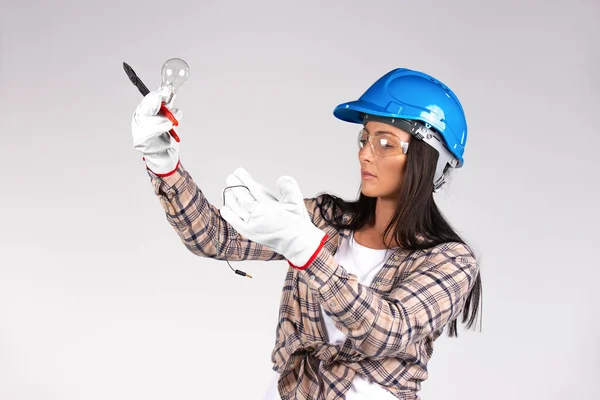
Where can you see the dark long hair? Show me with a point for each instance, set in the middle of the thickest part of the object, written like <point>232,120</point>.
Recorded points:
<point>417,222</point>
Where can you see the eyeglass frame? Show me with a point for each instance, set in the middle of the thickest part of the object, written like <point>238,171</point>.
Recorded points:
<point>403,144</point>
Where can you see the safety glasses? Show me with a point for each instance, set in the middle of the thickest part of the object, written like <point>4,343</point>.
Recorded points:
<point>382,144</point>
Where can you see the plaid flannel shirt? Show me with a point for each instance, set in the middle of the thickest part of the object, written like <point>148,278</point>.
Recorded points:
<point>390,325</point>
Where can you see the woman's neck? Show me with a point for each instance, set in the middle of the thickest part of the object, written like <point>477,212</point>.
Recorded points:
<point>372,235</point>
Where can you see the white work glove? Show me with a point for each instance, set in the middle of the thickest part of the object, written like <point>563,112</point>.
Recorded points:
<point>283,223</point>
<point>150,131</point>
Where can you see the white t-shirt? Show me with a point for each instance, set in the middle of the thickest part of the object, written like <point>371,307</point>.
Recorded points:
<point>365,263</point>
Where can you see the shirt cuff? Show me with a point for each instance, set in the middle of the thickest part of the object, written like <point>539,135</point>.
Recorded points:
<point>326,276</point>
<point>171,185</point>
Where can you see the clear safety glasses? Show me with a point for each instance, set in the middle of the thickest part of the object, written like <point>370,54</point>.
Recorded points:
<point>382,144</point>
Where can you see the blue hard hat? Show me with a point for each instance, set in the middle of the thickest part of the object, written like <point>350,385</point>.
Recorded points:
<point>413,95</point>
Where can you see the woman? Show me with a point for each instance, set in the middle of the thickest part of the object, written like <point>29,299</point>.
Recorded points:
<point>372,283</point>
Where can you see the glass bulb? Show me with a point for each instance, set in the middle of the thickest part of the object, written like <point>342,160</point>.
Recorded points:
<point>174,73</point>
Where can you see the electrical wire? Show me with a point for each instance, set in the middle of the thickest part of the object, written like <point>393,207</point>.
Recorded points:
<point>237,271</point>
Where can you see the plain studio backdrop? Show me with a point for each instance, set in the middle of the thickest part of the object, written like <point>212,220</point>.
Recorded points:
<point>100,300</point>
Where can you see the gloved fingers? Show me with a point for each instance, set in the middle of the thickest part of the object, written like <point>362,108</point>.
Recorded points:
<point>233,219</point>
<point>150,104</point>
<point>268,193</point>
<point>158,123</point>
<point>148,127</point>
<point>290,191</point>
<point>233,206</point>
<point>259,191</point>
<point>177,113</point>
<point>159,144</point>
<point>233,180</point>
<point>291,197</point>
<point>245,179</point>
<point>239,198</point>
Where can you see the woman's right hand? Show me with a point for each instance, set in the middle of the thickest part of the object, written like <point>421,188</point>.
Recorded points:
<point>150,132</point>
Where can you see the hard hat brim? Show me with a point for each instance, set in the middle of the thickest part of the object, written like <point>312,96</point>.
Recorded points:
<point>353,110</point>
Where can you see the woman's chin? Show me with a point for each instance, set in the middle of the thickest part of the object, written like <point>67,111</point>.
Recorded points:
<point>368,191</point>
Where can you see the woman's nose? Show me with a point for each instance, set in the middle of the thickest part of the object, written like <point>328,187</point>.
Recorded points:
<point>365,153</point>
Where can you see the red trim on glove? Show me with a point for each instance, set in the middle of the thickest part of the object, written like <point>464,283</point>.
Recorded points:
<point>163,175</point>
<point>312,258</point>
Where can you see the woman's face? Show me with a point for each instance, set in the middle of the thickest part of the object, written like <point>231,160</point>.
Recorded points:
<point>386,171</point>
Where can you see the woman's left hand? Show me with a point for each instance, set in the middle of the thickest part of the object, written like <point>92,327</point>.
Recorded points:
<point>281,223</point>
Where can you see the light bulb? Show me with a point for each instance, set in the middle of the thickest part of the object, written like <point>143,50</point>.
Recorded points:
<point>174,73</point>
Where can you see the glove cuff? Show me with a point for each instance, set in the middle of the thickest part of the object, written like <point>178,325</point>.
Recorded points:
<point>160,170</point>
<point>317,235</point>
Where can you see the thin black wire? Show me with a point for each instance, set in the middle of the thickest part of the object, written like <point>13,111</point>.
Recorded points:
<point>237,271</point>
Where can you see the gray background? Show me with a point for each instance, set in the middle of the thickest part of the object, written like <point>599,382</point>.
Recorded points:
<point>100,300</point>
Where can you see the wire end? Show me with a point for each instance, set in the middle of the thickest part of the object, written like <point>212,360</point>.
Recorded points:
<point>242,273</point>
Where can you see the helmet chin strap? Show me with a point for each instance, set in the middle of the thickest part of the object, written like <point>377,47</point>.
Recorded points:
<point>423,131</point>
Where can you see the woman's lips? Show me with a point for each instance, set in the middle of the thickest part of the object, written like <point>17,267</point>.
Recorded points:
<point>367,175</point>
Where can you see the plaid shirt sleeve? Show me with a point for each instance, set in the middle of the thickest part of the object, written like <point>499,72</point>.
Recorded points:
<point>423,303</point>
<point>199,224</point>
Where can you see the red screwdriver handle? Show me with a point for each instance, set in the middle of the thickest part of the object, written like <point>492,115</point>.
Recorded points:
<point>167,113</point>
